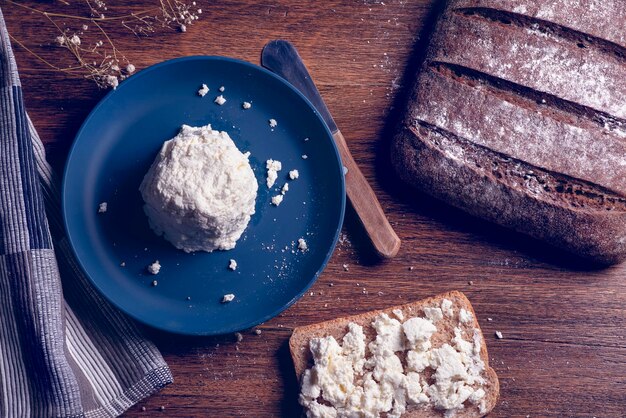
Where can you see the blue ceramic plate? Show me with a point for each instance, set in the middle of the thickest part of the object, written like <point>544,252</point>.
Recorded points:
<point>114,149</point>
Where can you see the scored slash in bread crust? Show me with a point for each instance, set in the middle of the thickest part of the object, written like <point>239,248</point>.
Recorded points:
<point>518,116</point>
<point>337,328</point>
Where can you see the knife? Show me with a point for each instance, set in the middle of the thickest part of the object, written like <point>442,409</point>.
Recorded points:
<point>281,58</point>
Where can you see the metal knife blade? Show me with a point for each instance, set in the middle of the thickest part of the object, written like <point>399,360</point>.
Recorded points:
<point>282,58</point>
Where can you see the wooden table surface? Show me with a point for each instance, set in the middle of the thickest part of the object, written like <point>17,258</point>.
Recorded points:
<point>564,322</point>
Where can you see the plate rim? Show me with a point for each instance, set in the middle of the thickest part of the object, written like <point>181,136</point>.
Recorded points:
<point>108,97</point>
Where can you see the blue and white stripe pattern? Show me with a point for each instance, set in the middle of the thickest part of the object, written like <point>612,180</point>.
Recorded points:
<point>64,351</point>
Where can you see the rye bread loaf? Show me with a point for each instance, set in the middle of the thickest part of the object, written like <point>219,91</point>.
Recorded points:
<point>518,116</point>
<point>337,328</point>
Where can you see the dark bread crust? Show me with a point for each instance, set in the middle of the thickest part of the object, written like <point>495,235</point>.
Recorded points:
<point>595,17</point>
<point>595,233</point>
<point>518,116</point>
<point>301,356</point>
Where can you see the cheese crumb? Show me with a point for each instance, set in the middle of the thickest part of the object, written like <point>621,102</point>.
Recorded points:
<point>446,307</point>
<point>220,100</point>
<point>294,174</point>
<point>130,68</point>
<point>302,245</point>
<point>477,395</point>
<point>232,264</point>
<point>417,361</point>
<point>228,298</point>
<point>398,313</point>
<point>154,268</point>
<point>482,408</point>
<point>239,337</point>
<point>203,90</point>
<point>465,316</point>
<point>285,188</point>
<point>450,389</point>
<point>434,314</point>
<point>277,200</point>
<point>246,105</point>
<point>221,89</point>
<point>273,167</point>
<point>273,123</point>
<point>102,207</point>
<point>304,156</point>
<point>418,332</point>
<point>499,335</point>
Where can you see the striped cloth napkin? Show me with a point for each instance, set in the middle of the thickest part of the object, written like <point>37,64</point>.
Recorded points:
<point>64,351</point>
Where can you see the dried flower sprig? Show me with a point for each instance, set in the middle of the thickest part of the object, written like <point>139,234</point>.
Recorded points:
<point>174,14</point>
<point>101,61</point>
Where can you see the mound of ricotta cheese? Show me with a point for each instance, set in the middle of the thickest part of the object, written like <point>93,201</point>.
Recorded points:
<point>200,191</point>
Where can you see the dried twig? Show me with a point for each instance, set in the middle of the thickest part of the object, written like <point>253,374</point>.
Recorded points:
<point>106,65</point>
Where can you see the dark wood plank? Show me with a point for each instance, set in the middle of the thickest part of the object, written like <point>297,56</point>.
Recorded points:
<point>564,323</point>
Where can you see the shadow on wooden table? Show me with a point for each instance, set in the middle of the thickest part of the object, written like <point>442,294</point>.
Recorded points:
<point>289,406</point>
<point>174,347</point>
<point>176,343</point>
<point>364,250</point>
<point>426,206</point>
<point>499,237</point>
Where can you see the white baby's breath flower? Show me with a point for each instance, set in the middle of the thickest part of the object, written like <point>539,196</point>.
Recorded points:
<point>112,81</point>
<point>107,71</point>
<point>75,40</point>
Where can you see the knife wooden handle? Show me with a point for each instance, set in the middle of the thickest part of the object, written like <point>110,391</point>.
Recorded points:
<point>366,204</point>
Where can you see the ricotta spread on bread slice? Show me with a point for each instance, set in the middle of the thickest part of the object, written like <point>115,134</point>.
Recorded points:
<point>398,362</point>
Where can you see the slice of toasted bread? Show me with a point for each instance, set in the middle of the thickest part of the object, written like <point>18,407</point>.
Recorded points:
<point>337,328</point>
